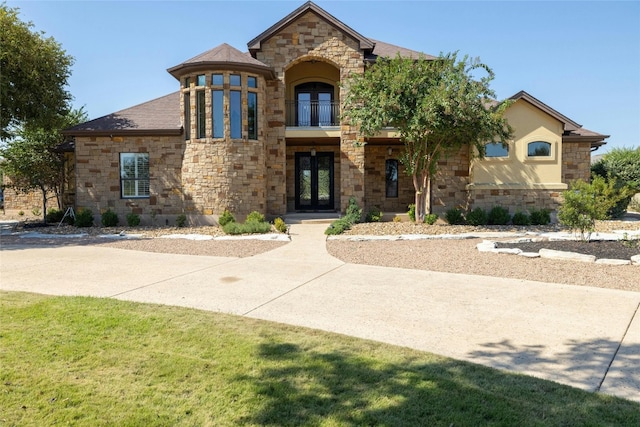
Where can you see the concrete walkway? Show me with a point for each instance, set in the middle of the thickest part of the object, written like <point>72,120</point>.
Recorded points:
<point>585,337</point>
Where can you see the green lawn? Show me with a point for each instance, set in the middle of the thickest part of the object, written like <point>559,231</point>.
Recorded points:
<point>92,362</point>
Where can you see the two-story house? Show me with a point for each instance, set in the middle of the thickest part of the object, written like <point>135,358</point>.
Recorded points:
<point>262,131</point>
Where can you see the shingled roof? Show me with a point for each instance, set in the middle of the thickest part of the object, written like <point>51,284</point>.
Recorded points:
<point>222,57</point>
<point>160,116</point>
<point>382,49</point>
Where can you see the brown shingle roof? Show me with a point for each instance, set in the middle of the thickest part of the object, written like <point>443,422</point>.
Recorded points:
<point>159,116</point>
<point>223,56</point>
<point>383,49</point>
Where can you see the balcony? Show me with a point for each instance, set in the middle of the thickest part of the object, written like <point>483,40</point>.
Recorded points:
<point>312,114</point>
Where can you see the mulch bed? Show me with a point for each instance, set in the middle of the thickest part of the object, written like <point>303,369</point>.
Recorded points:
<point>599,248</point>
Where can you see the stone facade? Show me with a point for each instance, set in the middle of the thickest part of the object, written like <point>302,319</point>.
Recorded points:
<point>576,161</point>
<point>204,176</point>
<point>98,175</point>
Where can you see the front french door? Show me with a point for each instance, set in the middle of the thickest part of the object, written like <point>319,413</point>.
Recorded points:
<point>314,181</point>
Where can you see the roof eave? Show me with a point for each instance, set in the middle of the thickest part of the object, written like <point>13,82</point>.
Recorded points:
<point>180,70</point>
<point>568,123</point>
<point>123,132</point>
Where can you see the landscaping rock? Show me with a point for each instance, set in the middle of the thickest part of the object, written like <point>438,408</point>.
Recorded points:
<point>613,261</point>
<point>635,260</point>
<point>530,254</point>
<point>569,256</point>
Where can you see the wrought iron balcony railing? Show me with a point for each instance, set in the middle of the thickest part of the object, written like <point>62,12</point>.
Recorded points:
<point>312,113</point>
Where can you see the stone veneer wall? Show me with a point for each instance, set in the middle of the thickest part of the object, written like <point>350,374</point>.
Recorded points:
<point>576,161</point>
<point>223,175</point>
<point>448,187</point>
<point>291,173</point>
<point>310,38</point>
<point>515,200</point>
<point>98,174</point>
<point>375,179</point>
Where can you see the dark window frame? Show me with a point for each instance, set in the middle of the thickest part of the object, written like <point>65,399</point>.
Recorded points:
<point>391,178</point>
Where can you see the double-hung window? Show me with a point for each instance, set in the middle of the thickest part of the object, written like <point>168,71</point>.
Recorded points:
<point>134,175</point>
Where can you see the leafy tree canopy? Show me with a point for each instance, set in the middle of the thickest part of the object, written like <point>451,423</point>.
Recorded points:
<point>33,77</point>
<point>31,160</point>
<point>437,106</point>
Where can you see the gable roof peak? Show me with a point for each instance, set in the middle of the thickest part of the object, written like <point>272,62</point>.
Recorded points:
<point>255,44</point>
<point>569,125</point>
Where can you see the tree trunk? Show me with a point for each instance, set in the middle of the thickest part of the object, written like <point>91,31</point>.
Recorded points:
<point>44,204</point>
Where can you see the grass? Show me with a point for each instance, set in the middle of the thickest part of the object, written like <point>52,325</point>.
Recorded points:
<point>96,362</point>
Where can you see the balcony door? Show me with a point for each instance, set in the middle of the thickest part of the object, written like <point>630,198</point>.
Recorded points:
<point>314,181</point>
<point>315,104</point>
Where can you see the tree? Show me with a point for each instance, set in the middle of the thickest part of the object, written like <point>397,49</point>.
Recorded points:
<point>437,106</point>
<point>31,160</point>
<point>33,75</point>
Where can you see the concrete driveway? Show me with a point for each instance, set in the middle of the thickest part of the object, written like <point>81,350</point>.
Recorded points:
<point>580,336</point>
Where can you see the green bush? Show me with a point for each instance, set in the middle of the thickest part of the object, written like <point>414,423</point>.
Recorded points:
<point>255,216</point>
<point>36,211</point>
<point>499,216</point>
<point>280,225</point>
<point>585,203</point>
<point>540,217</point>
<point>249,227</point>
<point>478,216</point>
<point>338,227</point>
<point>226,218</point>
<point>412,212</point>
<point>374,215</point>
<point>84,218</point>
<point>354,212</point>
<point>109,218</point>
<point>133,220</point>
<point>430,218</point>
<point>54,215</point>
<point>454,216</point>
<point>521,218</point>
<point>181,220</point>
<point>622,164</point>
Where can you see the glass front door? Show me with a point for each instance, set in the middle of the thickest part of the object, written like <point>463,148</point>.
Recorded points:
<point>314,181</point>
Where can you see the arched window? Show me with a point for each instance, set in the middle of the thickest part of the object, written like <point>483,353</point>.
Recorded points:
<point>496,149</point>
<point>391,174</point>
<point>539,149</point>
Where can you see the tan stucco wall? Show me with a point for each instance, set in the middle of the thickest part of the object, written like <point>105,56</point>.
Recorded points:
<point>530,124</point>
<point>98,175</point>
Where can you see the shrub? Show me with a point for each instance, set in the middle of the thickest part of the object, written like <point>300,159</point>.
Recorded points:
<point>499,216</point>
<point>249,227</point>
<point>622,166</point>
<point>54,215</point>
<point>21,213</point>
<point>540,217</point>
<point>280,225</point>
<point>181,220</point>
<point>36,211</point>
<point>255,216</point>
<point>374,215</point>
<point>133,220</point>
<point>338,227</point>
<point>109,218</point>
<point>226,218</point>
<point>454,216</point>
<point>430,219</point>
<point>412,212</point>
<point>354,212</point>
<point>585,203</point>
<point>84,218</point>
<point>397,219</point>
<point>478,216</point>
<point>521,218</point>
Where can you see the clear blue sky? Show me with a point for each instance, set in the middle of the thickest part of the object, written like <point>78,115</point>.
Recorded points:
<point>581,58</point>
